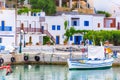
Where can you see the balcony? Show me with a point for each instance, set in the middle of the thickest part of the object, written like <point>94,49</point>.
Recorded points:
<point>30,30</point>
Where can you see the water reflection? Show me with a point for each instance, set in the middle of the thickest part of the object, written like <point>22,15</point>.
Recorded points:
<point>57,72</point>
<point>107,74</point>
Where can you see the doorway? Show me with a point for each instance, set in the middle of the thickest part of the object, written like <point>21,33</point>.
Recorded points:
<point>57,39</point>
<point>77,39</point>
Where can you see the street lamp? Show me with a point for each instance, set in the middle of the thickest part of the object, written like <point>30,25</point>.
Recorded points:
<point>24,40</point>
<point>21,37</point>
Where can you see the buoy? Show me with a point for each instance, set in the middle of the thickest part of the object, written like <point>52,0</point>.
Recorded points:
<point>13,59</point>
<point>1,60</point>
<point>37,58</point>
<point>26,58</point>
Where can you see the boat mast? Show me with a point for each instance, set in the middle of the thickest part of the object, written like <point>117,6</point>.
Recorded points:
<point>70,52</point>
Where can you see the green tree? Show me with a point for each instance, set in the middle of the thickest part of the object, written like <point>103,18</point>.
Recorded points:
<point>23,10</point>
<point>46,39</point>
<point>26,10</point>
<point>65,25</point>
<point>46,5</point>
<point>69,31</point>
<point>103,12</point>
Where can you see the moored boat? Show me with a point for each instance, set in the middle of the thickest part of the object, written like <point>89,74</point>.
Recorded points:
<point>95,57</point>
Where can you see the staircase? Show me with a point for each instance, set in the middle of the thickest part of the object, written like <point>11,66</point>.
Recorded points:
<point>48,34</point>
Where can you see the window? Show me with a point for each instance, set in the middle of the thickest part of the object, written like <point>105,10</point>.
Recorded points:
<point>86,23</point>
<point>3,25</point>
<point>53,27</point>
<point>29,25</point>
<point>58,27</point>
<point>74,23</point>
<point>71,38</point>
<point>0,40</point>
<point>38,14</point>
<point>34,14</point>
<point>8,28</point>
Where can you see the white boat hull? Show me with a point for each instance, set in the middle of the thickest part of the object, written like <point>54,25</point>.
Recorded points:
<point>90,64</point>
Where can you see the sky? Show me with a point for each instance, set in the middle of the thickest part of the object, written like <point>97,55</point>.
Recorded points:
<point>112,6</point>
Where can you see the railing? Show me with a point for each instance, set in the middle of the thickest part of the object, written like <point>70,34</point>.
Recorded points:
<point>48,34</point>
<point>29,29</point>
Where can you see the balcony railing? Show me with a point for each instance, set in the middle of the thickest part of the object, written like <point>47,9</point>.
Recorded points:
<point>48,34</point>
<point>27,30</point>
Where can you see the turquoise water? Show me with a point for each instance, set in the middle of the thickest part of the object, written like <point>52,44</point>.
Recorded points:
<point>57,72</point>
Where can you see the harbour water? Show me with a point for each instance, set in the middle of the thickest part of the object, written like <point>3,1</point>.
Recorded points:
<point>58,72</point>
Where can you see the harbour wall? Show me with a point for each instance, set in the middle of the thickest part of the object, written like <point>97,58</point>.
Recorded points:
<point>47,55</point>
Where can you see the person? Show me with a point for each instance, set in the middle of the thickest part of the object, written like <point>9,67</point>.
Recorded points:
<point>82,43</point>
<point>87,41</point>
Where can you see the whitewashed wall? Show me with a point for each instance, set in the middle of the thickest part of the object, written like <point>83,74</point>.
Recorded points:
<point>35,23</point>
<point>26,20</point>
<point>8,37</point>
<point>96,20</point>
<point>59,20</point>
<point>56,20</point>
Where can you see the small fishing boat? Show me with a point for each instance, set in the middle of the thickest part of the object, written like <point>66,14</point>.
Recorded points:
<point>95,57</point>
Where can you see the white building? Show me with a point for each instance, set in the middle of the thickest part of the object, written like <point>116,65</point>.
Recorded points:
<point>34,27</point>
<point>7,27</point>
<point>79,22</point>
<point>31,27</point>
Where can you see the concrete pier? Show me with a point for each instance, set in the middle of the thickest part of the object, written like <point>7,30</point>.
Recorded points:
<point>47,55</point>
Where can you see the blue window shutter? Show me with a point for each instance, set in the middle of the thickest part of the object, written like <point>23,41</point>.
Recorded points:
<point>71,38</point>
<point>10,29</point>
<point>3,25</point>
<point>75,23</point>
<point>38,14</point>
<point>58,27</point>
<point>86,23</point>
<point>34,14</point>
<point>53,27</point>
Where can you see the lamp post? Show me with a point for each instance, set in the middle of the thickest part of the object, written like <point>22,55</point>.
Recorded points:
<point>21,37</point>
<point>24,40</point>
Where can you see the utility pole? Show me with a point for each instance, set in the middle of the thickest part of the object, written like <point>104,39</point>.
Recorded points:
<point>15,22</point>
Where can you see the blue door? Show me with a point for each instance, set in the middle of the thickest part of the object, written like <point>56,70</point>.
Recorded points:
<point>77,39</point>
<point>57,39</point>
